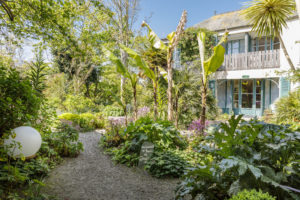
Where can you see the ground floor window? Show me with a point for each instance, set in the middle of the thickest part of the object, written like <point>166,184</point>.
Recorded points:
<point>249,94</point>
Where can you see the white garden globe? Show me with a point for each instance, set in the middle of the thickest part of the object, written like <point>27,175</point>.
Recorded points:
<point>30,142</point>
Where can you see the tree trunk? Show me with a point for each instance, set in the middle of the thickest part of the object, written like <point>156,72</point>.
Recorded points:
<point>135,104</point>
<point>203,111</point>
<point>155,99</point>
<point>170,83</point>
<point>176,111</point>
<point>286,53</point>
<point>124,57</point>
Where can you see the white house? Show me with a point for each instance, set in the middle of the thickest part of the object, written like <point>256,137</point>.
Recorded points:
<point>248,82</point>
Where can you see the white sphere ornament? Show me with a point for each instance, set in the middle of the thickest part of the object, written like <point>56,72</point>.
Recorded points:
<point>30,141</point>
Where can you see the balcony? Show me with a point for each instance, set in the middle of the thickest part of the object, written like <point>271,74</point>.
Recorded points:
<point>252,60</point>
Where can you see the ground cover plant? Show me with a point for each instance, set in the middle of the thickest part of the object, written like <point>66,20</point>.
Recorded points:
<point>246,155</point>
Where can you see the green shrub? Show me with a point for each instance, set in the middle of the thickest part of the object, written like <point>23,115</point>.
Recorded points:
<point>79,104</point>
<point>252,195</point>
<point>86,121</point>
<point>166,164</point>
<point>20,103</point>
<point>162,134</point>
<point>288,109</point>
<point>125,146</point>
<point>246,155</point>
<point>65,141</point>
<point>112,110</point>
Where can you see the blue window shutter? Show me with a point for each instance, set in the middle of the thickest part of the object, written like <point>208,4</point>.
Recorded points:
<point>212,87</point>
<point>284,87</point>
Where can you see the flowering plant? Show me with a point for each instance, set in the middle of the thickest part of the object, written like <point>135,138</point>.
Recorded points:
<point>197,127</point>
<point>142,112</point>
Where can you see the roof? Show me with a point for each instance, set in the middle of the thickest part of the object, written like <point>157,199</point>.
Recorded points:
<point>229,20</point>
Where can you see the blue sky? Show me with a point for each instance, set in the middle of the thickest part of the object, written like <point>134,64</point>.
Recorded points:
<point>165,14</point>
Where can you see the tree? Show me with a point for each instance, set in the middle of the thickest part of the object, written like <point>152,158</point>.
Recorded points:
<point>125,13</point>
<point>7,9</point>
<point>268,18</point>
<point>173,39</point>
<point>147,71</point>
<point>209,67</point>
<point>133,77</point>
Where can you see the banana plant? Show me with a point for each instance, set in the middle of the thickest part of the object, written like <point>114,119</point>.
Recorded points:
<point>173,38</point>
<point>147,71</point>
<point>133,77</point>
<point>209,67</point>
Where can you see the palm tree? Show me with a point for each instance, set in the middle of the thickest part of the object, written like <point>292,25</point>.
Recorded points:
<point>268,18</point>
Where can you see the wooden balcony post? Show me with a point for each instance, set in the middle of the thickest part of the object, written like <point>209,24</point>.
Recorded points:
<point>247,37</point>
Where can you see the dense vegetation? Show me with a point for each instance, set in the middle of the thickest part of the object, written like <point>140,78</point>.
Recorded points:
<point>246,155</point>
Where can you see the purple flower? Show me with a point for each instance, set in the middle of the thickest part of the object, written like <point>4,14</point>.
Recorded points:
<point>197,127</point>
<point>142,112</point>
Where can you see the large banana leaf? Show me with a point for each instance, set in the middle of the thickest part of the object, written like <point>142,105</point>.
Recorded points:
<point>121,69</point>
<point>140,62</point>
<point>154,39</point>
<point>216,60</point>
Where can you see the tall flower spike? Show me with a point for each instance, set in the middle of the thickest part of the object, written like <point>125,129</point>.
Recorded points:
<point>180,28</point>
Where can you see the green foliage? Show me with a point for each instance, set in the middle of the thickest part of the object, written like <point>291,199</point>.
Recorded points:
<point>112,110</point>
<point>268,17</point>
<point>79,104</point>
<point>252,195</point>
<point>246,155</point>
<point>38,72</point>
<point>161,133</point>
<point>166,164</point>
<point>288,109</point>
<point>22,178</point>
<point>86,121</point>
<point>65,141</point>
<point>19,101</point>
<point>189,48</point>
<point>125,147</point>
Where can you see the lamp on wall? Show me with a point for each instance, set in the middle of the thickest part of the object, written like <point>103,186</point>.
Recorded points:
<point>30,141</point>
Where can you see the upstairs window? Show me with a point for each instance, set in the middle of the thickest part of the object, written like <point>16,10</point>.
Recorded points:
<point>235,46</point>
<point>265,43</point>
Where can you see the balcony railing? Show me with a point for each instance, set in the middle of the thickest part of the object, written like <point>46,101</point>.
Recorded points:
<point>252,60</point>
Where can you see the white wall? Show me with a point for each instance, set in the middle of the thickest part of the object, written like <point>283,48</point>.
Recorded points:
<point>290,36</point>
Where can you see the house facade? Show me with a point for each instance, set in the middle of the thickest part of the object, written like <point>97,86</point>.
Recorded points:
<point>248,82</point>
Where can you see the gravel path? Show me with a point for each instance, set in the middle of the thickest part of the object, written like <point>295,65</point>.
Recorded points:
<point>92,175</point>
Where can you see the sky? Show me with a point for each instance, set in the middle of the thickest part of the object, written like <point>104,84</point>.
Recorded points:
<point>163,15</point>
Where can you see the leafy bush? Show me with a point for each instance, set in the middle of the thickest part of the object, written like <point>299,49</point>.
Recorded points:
<point>252,195</point>
<point>246,155</point>
<point>166,164</point>
<point>161,133</point>
<point>64,141</point>
<point>112,110</point>
<point>86,121</point>
<point>79,104</point>
<point>19,102</point>
<point>288,109</point>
